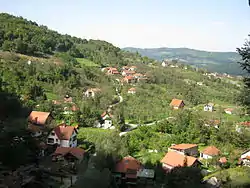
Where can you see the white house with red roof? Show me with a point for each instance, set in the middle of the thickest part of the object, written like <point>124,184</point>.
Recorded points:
<point>132,68</point>
<point>209,152</point>
<point>243,125</point>
<point>229,111</point>
<point>105,122</point>
<point>63,135</point>
<point>245,158</point>
<point>127,73</point>
<point>113,71</point>
<point>132,90</point>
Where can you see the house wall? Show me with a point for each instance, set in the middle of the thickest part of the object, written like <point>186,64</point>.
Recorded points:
<point>73,141</point>
<point>166,166</point>
<point>131,92</point>
<point>54,139</point>
<point>208,108</point>
<point>246,162</point>
<point>62,143</point>
<point>205,156</point>
<point>107,124</point>
<point>245,154</point>
<point>228,112</point>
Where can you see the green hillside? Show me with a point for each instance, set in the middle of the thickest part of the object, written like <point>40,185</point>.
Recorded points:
<point>222,62</point>
<point>27,37</point>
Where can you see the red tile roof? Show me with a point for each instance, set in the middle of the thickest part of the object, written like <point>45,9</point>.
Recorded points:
<point>247,157</point>
<point>175,159</point>
<point>64,132</point>
<point>128,77</point>
<point>77,152</point>
<point>176,102</point>
<point>127,163</point>
<point>129,72</point>
<point>223,160</point>
<point>106,113</point>
<point>229,109</point>
<point>247,123</point>
<point>211,151</point>
<point>183,146</point>
<point>132,89</point>
<point>39,118</point>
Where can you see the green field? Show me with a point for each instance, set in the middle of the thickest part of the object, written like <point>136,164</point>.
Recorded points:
<point>51,96</point>
<point>86,62</point>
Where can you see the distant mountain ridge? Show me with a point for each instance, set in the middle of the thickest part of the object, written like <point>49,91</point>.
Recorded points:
<point>222,62</point>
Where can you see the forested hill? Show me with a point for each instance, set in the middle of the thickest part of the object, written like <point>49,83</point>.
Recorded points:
<point>223,62</point>
<point>27,37</point>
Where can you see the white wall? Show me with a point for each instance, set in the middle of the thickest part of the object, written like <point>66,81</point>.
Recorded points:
<point>245,154</point>
<point>62,143</point>
<point>167,166</point>
<point>205,156</point>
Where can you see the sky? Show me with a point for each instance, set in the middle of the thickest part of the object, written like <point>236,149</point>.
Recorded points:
<point>212,25</point>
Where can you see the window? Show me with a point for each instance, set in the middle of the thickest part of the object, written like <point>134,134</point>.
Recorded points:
<point>53,133</point>
<point>50,140</point>
<point>56,140</point>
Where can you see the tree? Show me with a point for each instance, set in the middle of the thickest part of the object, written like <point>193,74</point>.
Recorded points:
<point>245,64</point>
<point>184,177</point>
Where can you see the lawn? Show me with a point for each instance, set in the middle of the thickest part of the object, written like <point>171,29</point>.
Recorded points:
<point>86,62</point>
<point>51,96</point>
<point>233,177</point>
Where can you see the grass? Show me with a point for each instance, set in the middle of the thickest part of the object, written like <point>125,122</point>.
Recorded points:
<point>235,177</point>
<point>51,96</point>
<point>86,62</point>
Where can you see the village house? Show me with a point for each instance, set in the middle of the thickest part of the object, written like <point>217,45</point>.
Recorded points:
<point>105,122</point>
<point>131,171</point>
<point>132,68</point>
<point>229,111</point>
<point>128,73</point>
<point>164,63</point>
<point>68,155</point>
<point>174,66</point>
<point>63,135</point>
<point>245,158</point>
<point>209,107</point>
<point>209,152</point>
<point>185,149</point>
<point>125,67</point>
<point>243,125</point>
<point>38,122</point>
<point>132,90</point>
<point>176,103</point>
<point>174,159</point>
<point>68,99</point>
<point>92,92</point>
<point>138,75</point>
<point>128,79</point>
<point>199,83</point>
<point>212,123</point>
<point>223,160</point>
<point>113,71</point>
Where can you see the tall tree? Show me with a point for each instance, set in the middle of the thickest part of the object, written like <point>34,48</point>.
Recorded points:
<point>245,64</point>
